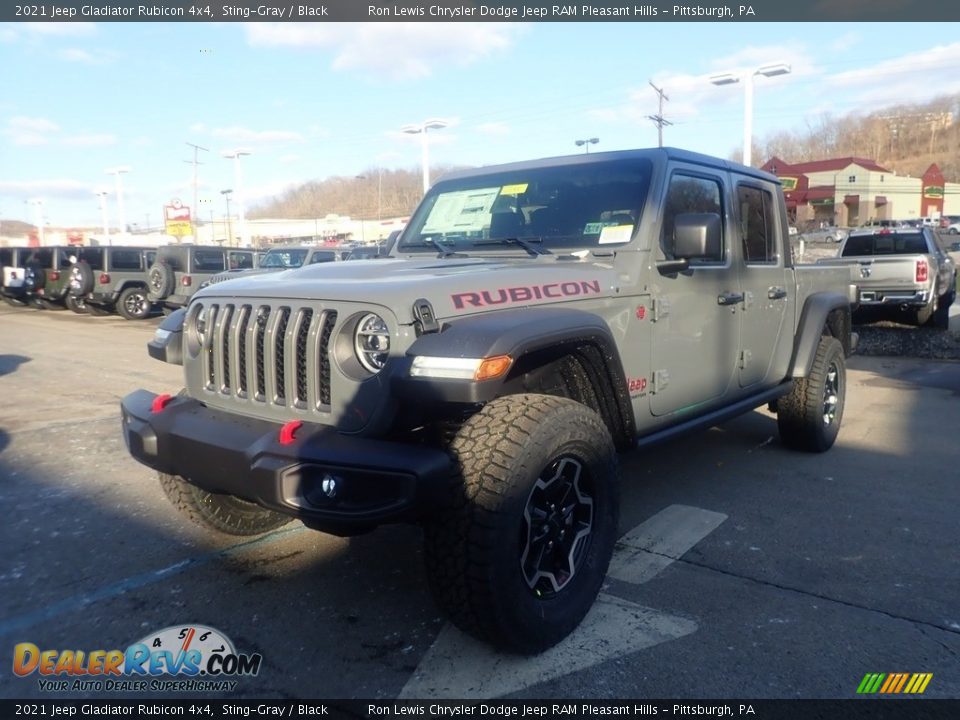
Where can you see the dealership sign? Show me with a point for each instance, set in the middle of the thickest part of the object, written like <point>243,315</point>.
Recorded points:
<point>176,219</point>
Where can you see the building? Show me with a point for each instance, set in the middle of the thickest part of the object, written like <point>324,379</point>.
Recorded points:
<point>853,191</point>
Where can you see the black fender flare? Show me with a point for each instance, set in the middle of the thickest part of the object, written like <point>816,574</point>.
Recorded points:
<point>813,320</point>
<point>519,333</point>
<point>167,342</point>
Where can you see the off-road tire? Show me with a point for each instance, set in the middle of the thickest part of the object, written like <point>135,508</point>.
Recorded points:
<point>134,304</point>
<point>476,540</point>
<point>160,281</point>
<point>50,304</point>
<point>802,416</point>
<point>224,513</point>
<point>34,278</point>
<point>14,302</point>
<point>941,317</point>
<point>81,279</point>
<point>76,304</point>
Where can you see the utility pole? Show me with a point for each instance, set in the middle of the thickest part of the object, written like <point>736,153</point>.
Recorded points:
<point>658,119</point>
<point>196,208</point>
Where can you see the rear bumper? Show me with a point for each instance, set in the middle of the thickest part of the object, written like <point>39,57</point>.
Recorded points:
<point>378,481</point>
<point>893,297</point>
<point>101,298</point>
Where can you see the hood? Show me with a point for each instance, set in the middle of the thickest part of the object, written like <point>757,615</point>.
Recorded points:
<point>454,286</point>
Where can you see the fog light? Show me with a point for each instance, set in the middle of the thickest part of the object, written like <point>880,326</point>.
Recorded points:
<point>329,484</point>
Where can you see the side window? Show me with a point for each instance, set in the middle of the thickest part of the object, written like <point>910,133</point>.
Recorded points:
<point>240,260</point>
<point>6,256</point>
<point>689,194</point>
<point>150,256</point>
<point>125,260</point>
<point>208,261</point>
<point>44,257</point>
<point>93,256</point>
<point>757,225</point>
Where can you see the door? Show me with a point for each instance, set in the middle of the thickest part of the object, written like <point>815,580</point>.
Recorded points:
<point>763,281</point>
<point>696,316</point>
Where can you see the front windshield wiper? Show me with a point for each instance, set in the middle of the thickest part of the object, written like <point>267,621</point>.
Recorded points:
<point>526,243</point>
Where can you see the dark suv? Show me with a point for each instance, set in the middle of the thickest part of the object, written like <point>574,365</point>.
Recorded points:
<point>108,278</point>
<point>180,269</point>
<point>47,270</point>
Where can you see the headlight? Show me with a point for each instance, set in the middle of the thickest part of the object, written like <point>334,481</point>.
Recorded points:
<point>371,342</point>
<point>201,324</point>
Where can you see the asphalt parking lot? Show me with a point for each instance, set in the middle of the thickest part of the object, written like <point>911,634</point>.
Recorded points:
<point>744,571</point>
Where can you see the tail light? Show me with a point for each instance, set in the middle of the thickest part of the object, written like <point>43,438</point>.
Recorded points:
<point>923,271</point>
<point>54,274</point>
<point>104,279</point>
<point>186,281</point>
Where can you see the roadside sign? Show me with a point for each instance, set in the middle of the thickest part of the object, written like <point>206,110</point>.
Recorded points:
<point>176,218</point>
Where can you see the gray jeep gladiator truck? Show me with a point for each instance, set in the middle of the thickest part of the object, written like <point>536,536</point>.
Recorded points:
<point>532,320</point>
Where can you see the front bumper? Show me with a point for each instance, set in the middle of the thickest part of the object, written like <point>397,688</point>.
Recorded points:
<point>378,481</point>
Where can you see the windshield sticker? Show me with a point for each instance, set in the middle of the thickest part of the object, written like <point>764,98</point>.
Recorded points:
<point>515,189</point>
<point>592,228</point>
<point>467,210</point>
<point>616,234</point>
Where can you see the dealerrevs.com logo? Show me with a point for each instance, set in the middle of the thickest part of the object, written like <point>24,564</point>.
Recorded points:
<point>177,658</point>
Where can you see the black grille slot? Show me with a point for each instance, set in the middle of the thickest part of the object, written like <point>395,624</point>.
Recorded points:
<point>323,391</point>
<point>278,342</point>
<point>303,332</point>
<point>226,317</point>
<point>263,315</point>
<point>209,343</point>
<point>244,321</point>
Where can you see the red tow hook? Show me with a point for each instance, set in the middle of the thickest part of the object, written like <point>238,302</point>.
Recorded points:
<point>288,430</point>
<point>159,403</point>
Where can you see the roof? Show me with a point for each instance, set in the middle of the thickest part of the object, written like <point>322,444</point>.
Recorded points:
<point>825,165</point>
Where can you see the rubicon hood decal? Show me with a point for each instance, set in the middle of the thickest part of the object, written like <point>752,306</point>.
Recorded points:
<point>525,293</point>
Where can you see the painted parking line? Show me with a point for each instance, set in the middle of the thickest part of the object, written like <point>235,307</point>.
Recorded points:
<point>457,666</point>
<point>651,546</point>
<point>107,592</point>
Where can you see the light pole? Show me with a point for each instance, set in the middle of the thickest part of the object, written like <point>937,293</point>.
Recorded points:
<point>226,195</point>
<point>118,171</point>
<point>732,78</point>
<point>238,184</point>
<point>102,194</point>
<point>585,144</point>
<point>38,210</point>
<point>421,130</point>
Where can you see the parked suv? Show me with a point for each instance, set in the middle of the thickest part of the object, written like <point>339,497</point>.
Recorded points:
<point>12,272</point>
<point>533,319</point>
<point>111,277</point>
<point>178,270</point>
<point>47,275</point>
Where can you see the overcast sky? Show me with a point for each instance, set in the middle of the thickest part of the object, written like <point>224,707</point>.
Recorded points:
<point>314,100</point>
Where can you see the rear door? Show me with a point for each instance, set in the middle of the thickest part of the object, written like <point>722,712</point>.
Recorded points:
<point>763,281</point>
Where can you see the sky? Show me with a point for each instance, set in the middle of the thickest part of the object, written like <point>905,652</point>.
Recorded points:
<point>311,101</point>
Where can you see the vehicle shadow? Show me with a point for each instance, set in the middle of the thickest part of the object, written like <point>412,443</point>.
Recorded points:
<point>10,363</point>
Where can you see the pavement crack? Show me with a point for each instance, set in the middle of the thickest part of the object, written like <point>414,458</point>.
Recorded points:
<point>809,593</point>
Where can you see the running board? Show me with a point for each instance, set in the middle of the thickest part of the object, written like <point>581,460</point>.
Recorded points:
<point>702,422</point>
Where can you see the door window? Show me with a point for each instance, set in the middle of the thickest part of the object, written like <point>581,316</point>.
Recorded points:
<point>689,194</point>
<point>757,225</point>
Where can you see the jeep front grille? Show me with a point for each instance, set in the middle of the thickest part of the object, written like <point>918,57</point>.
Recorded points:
<point>272,355</point>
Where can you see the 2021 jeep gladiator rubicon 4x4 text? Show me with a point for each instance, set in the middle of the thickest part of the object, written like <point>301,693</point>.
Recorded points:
<point>533,319</point>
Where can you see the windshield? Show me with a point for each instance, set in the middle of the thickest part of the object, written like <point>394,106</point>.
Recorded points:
<point>283,259</point>
<point>568,207</point>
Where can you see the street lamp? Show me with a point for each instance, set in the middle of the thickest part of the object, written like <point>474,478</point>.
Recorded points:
<point>421,129</point>
<point>226,195</point>
<point>585,144</point>
<point>118,171</point>
<point>102,194</point>
<point>38,205</point>
<point>237,183</point>
<point>732,78</point>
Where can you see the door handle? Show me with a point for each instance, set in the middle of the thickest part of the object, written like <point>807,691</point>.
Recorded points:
<point>776,293</point>
<point>729,298</point>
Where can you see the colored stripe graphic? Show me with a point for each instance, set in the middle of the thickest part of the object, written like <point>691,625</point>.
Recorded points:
<point>894,683</point>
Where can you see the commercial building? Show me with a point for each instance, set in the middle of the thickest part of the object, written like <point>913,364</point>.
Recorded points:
<point>853,191</point>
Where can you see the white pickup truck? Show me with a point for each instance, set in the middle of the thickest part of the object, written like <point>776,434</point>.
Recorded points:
<point>903,271</point>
